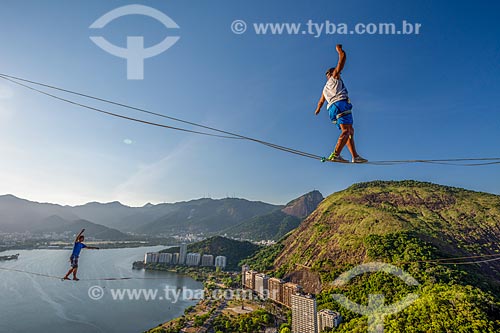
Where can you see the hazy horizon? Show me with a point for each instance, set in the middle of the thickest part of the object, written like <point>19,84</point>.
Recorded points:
<point>221,198</point>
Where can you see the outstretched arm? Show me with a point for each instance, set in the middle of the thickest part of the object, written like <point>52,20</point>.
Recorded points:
<point>92,248</point>
<point>320,104</point>
<point>78,236</point>
<point>341,63</point>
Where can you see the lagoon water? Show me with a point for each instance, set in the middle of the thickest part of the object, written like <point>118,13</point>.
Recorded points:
<point>30,303</point>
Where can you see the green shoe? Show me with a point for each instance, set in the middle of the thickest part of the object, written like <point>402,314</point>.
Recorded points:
<point>335,158</point>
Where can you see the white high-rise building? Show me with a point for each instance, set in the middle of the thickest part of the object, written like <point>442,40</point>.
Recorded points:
<point>304,314</point>
<point>175,259</point>
<point>207,260</point>
<point>168,257</point>
<point>220,261</point>
<point>193,259</point>
<point>165,258</point>
<point>152,258</point>
<point>261,285</point>
<point>182,254</point>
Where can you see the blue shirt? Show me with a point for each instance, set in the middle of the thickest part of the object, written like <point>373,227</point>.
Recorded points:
<point>77,248</point>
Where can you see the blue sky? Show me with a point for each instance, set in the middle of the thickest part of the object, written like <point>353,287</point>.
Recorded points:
<point>432,95</point>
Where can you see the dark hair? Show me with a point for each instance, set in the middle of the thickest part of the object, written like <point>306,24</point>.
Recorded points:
<point>81,237</point>
<point>330,70</point>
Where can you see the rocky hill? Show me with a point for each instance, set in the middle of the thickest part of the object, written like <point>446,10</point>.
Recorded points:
<point>271,226</point>
<point>415,226</point>
<point>276,224</point>
<point>303,205</point>
<point>457,222</point>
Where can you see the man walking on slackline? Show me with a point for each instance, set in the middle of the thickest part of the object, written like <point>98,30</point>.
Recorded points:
<point>340,110</point>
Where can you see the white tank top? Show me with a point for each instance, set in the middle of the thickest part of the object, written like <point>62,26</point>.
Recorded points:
<point>334,91</point>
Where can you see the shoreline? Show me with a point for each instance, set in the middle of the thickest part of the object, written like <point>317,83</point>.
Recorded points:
<point>200,274</point>
<point>117,263</point>
<point>210,312</point>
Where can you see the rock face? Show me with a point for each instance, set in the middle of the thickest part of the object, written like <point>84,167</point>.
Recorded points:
<point>276,224</point>
<point>304,205</point>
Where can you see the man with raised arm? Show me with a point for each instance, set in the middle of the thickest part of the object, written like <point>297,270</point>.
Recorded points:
<point>340,110</point>
<point>77,248</point>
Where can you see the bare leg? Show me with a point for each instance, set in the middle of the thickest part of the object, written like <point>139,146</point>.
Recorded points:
<point>350,142</point>
<point>69,272</point>
<point>345,137</point>
<point>74,273</point>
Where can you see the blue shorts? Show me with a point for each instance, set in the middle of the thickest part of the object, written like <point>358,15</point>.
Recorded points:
<point>339,107</point>
<point>74,261</point>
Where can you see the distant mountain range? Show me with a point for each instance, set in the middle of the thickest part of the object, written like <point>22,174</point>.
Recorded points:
<point>95,231</point>
<point>231,216</point>
<point>206,215</point>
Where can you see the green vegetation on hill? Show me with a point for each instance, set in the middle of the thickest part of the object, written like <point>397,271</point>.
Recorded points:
<point>276,224</point>
<point>263,260</point>
<point>234,250</point>
<point>404,223</point>
<point>456,221</point>
<point>272,226</point>
<point>450,298</point>
<point>206,215</point>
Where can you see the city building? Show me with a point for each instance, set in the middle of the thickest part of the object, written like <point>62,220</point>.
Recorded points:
<point>175,259</point>
<point>182,254</point>
<point>192,259</point>
<point>165,258</point>
<point>244,269</point>
<point>304,318</point>
<point>328,319</point>
<point>152,258</point>
<point>288,290</point>
<point>261,284</point>
<point>220,261</point>
<point>207,260</point>
<point>250,279</point>
<point>276,289</point>
<point>169,257</point>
